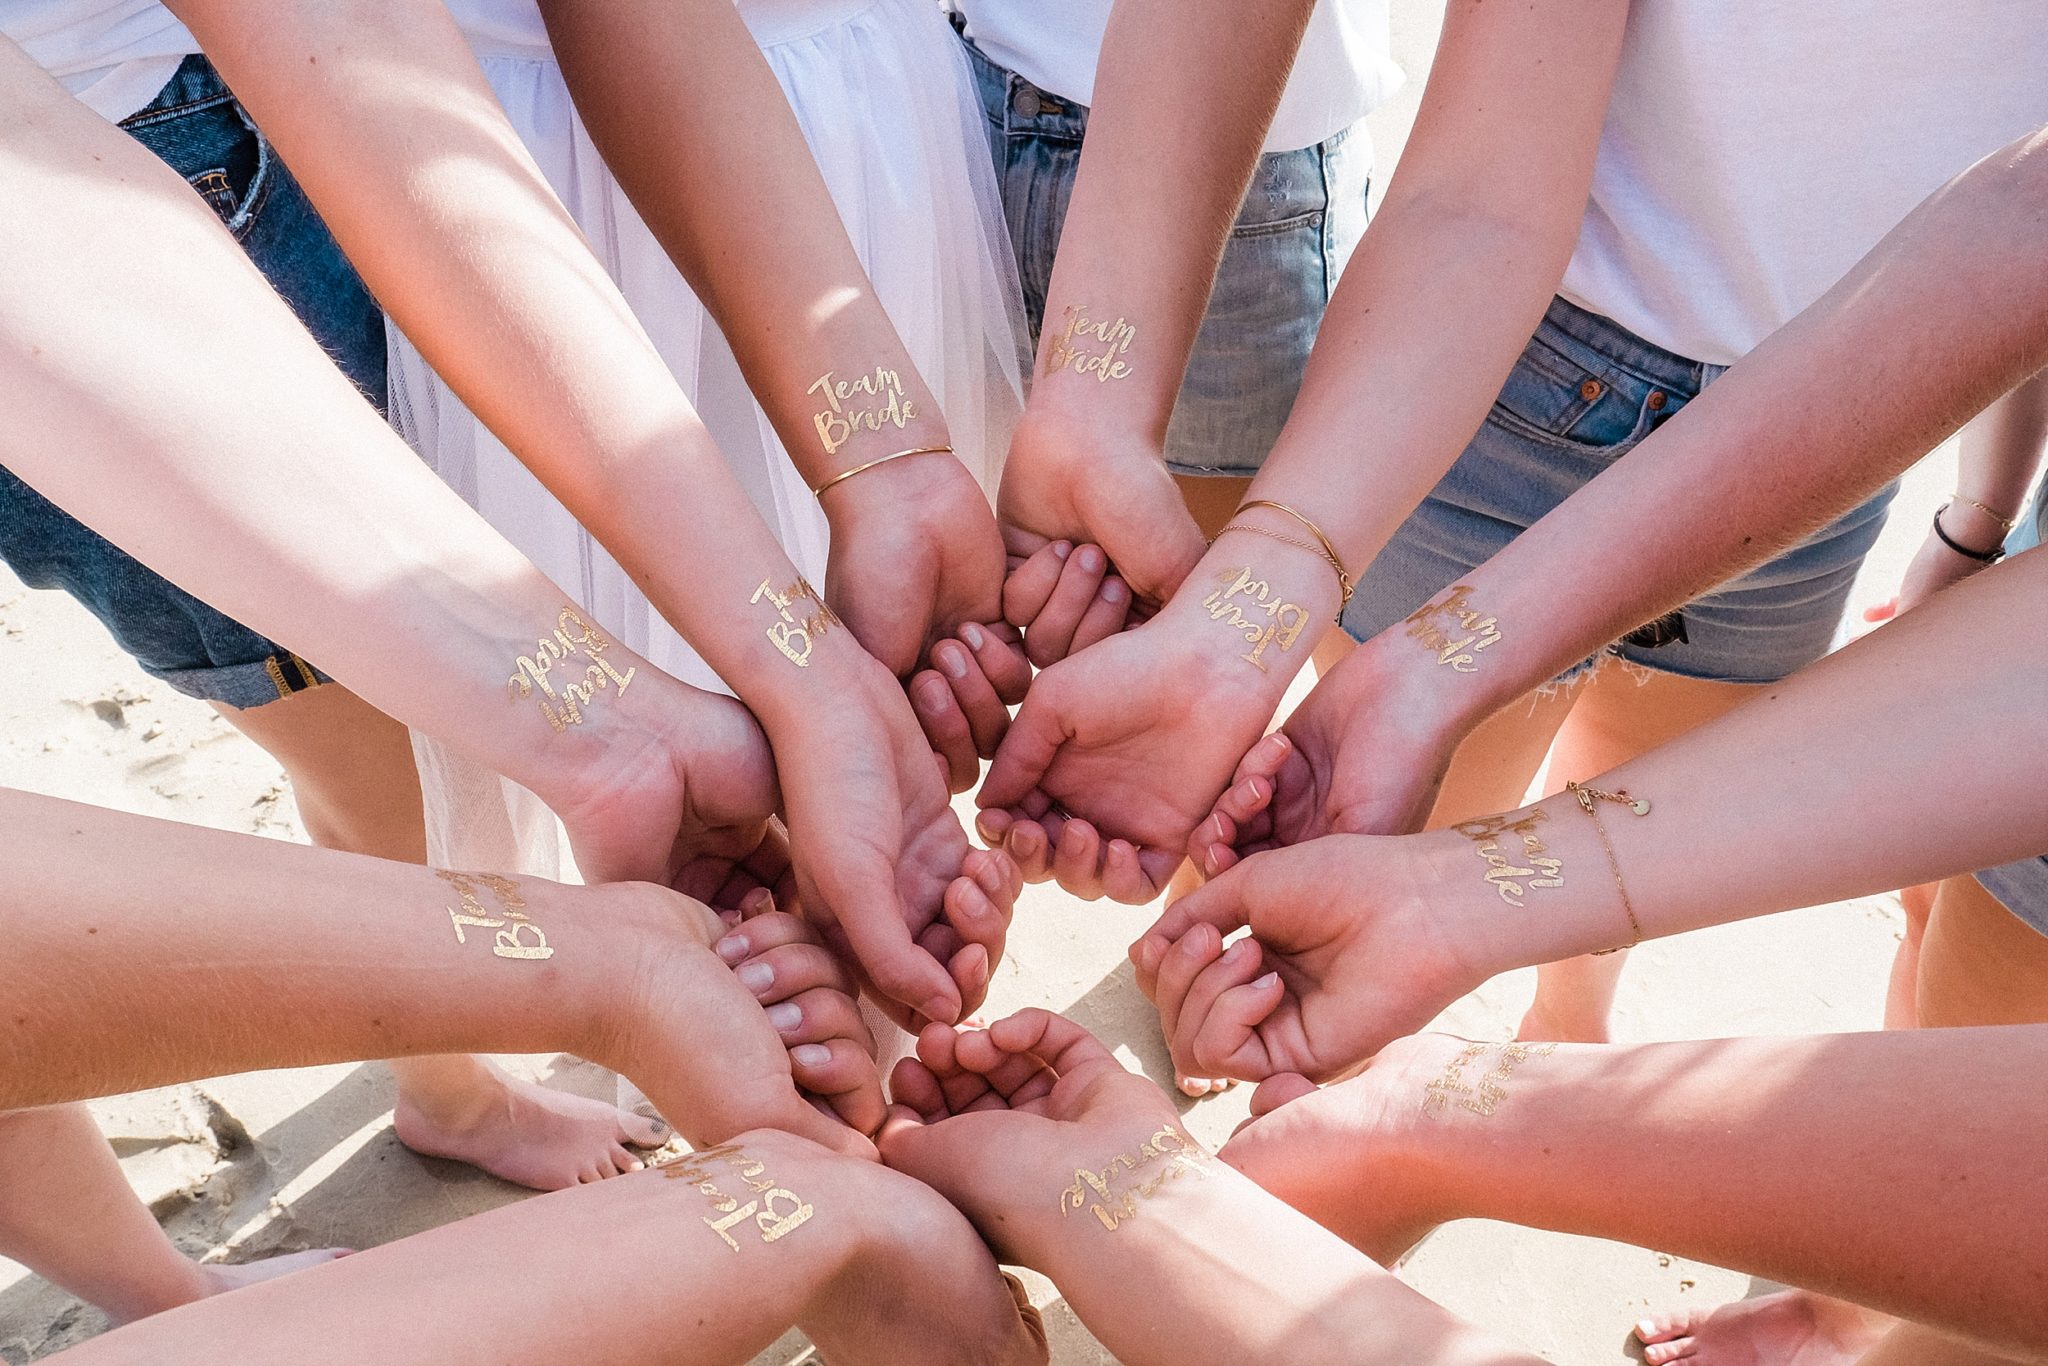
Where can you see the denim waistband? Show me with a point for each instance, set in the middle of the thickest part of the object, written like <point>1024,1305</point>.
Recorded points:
<point>1623,348</point>
<point>195,83</point>
<point>1016,105</point>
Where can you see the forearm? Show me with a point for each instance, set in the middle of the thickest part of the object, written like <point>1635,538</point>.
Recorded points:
<point>1834,1163</point>
<point>1946,314</point>
<point>165,396</point>
<point>1154,199</point>
<point>2001,452</point>
<point>227,953</point>
<point>386,120</point>
<point>1211,1267</point>
<point>679,99</point>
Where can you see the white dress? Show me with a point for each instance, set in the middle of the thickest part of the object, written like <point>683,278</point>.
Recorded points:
<point>886,101</point>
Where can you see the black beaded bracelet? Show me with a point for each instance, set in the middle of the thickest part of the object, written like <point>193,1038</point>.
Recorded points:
<point>1992,556</point>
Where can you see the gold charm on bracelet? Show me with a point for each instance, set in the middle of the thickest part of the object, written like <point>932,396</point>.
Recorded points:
<point>775,1212</point>
<point>1091,346</point>
<point>511,921</point>
<point>791,633</point>
<point>573,642</point>
<point>1452,630</point>
<point>1240,599</point>
<point>866,404</point>
<point>1179,1154</point>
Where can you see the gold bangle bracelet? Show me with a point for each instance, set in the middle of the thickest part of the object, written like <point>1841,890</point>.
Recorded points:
<point>2007,522</point>
<point>1586,797</point>
<point>819,490</point>
<point>1323,547</point>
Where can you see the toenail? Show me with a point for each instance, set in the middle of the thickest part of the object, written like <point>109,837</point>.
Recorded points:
<point>786,1016</point>
<point>810,1055</point>
<point>755,977</point>
<point>733,948</point>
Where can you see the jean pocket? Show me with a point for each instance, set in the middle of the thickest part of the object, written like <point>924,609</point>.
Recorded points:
<point>1287,192</point>
<point>1562,400</point>
<point>220,154</point>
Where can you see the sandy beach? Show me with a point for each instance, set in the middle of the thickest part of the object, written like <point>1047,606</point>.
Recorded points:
<point>241,1166</point>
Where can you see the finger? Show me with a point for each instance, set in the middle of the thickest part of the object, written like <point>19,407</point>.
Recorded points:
<point>1031,849</point>
<point>1178,968</point>
<point>1145,955</point>
<point>1226,1042</point>
<point>779,974</point>
<point>844,1075</point>
<point>974,696</point>
<point>997,875</point>
<point>1054,1040</point>
<point>947,728</point>
<point>1105,616</point>
<point>912,1084</point>
<point>978,919</point>
<point>999,649</point>
<point>1078,861</point>
<point>1236,965</point>
<point>1051,636</point>
<point>971,969</point>
<point>1031,584</point>
<point>769,930</point>
<point>880,939</point>
<point>1884,611</point>
<point>1007,1072</point>
<point>817,1015</point>
<point>1282,1088</point>
<point>1025,754</point>
<point>1210,848</point>
<point>1124,878</point>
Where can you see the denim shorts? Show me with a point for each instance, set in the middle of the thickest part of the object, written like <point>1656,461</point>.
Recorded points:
<point>196,126</point>
<point>1583,395</point>
<point>1301,218</point>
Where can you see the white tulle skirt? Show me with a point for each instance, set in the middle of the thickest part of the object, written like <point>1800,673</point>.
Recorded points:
<point>886,101</point>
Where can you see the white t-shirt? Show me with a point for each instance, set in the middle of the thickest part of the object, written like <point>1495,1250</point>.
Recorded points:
<point>113,54</point>
<point>1345,66</point>
<point>1755,150</point>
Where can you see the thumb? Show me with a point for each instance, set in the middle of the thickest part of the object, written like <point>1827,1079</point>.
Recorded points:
<point>1025,754</point>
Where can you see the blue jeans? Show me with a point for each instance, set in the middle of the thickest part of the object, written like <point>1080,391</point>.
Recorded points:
<point>196,126</point>
<point>1585,392</point>
<point>1304,213</point>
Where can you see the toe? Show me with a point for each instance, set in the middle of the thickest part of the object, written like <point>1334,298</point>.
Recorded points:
<point>641,1131</point>
<point>1661,1328</point>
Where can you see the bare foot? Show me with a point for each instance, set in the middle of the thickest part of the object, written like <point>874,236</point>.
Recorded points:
<point>525,1133</point>
<point>1789,1328</point>
<point>218,1278</point>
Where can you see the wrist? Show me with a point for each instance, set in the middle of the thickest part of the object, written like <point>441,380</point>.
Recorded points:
<point>896,490</point>
<point>1250,614</point>
<point>631,942</point>
<point>1406,671</point>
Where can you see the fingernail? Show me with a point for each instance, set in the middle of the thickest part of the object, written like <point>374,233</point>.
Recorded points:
<point>932,693</point>
<point>973,636</point>
<point>1114,591</point>
<point>810,1055</point>
<point>1270,979</point>
<point>1240,948</point>
<point>785,1016</point>
<point>953,660</point>
<point>756,977</point>
<point>1212,862</point>
<point>1091,559</point>
<point>733,949</point>
<point>939,1010</point>
<point>1060,550</point>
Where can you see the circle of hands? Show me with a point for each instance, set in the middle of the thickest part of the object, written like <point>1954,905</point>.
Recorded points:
<point>841,870</point>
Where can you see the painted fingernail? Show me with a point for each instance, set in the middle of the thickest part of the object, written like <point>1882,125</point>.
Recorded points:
<point>1114,591</point>
<point>973,636</point>
<point>755,977</point>
<point>810,1055</point>
<point>1270,979</point>
<point>733,948</point>
<point>1061,549</point>
<point>953,660</point>
<point>785,1016</point>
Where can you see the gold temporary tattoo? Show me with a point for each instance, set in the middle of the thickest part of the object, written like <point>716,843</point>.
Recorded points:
<point>1492,1087</point>
<point>1176,1151</point>
<point>1237,591</point>
<point>1505,874</point>
<point>790,633</point>
<point>571,635</point>
<point>776,1212</point>
<point>853,406</point>
<point>511,921</point>
<point>1076,346</point>
<point>1453,630</point>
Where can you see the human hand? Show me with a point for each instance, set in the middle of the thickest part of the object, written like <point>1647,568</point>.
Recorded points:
<point>1000,1120</point>
<point>1936,567</point>
<point>1070,481</point>
<point>1352,945</point>
<point>915,555</point>
<point>883,868</point>
<point>1352,1155</point>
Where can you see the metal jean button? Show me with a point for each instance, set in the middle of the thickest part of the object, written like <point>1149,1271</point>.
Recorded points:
<point>1026,105</point>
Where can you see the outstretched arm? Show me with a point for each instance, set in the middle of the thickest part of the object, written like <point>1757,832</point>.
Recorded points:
<point>727,1249</point>
<point>227,953</point>
<point>1833,1163</point>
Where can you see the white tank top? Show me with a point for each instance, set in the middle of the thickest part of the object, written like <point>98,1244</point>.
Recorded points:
<point>1345,67</point>
<point>1755,150</point>
<point>113,54</point>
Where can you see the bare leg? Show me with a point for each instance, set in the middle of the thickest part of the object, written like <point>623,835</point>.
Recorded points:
<point>96,1240</point>
<point>1900,1008</point>
<point>352,772</point>
<point>1616,718</point>
<point>1912,1345</point>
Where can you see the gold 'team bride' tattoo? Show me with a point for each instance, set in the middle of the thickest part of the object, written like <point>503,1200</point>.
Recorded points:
<point>790,633</point>
<point>1452,630</point>
<point>853,406</point>
<point>776,1212</point>
<point>1492,1088</point>
<point>511,921</point>
<point>1072,347</point>
<point>1239,591</point>
<point>572,634</point>
<point>1503,873</point>
<point>1176,1151</point>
